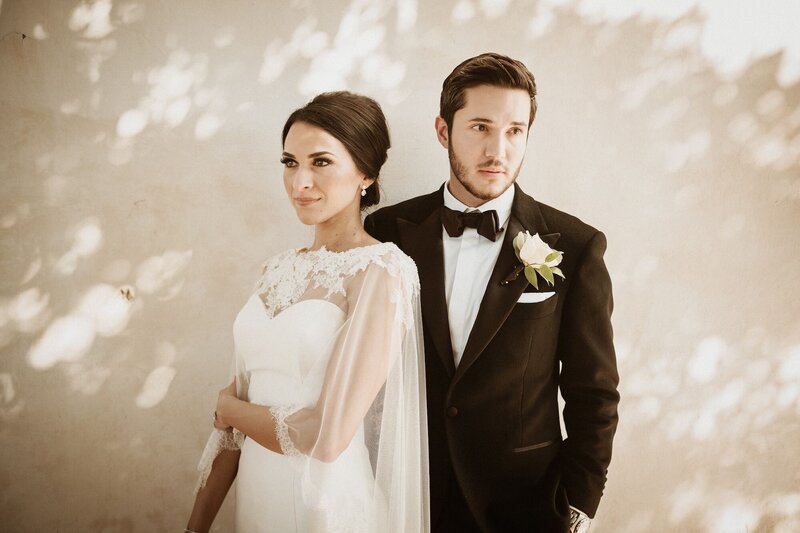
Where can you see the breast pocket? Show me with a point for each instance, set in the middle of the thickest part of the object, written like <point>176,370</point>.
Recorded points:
<point>532,307</point>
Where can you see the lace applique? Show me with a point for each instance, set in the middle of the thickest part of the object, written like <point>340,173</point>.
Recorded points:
<point>280,413</point>
<point>232,440</point>
<point>218,441</point>
<point>289,275</point>
<point>402,266</point>
<point>279,282</point>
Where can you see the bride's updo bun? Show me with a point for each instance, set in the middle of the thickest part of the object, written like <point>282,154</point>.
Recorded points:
<point>358,123</point>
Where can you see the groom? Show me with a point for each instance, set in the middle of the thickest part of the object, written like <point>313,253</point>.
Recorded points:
<point>498,348</point>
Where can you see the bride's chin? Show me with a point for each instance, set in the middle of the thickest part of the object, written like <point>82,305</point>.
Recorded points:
<point>307,219</point>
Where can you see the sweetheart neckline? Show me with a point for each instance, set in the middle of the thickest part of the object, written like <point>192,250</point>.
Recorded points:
<point>263,306</point>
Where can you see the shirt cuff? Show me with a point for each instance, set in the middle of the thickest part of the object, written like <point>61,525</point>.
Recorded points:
<point>579,522</point>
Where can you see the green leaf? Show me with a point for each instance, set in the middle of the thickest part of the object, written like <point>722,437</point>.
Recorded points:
<point>557,272</point>
<point>530,273</point>
<point>552,256</point>
<point>547,274</point>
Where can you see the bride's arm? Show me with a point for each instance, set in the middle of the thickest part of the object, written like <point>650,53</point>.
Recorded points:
<point>219,462</point>
<point>209,498</point>
<point>253,420</point>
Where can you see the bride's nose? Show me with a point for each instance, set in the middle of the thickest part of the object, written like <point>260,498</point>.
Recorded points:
<point>303,179</point>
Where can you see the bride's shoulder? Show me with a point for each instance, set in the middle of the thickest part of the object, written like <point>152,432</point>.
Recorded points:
<point>391,259</point>
<point>387,253</point>
<point>388,268</point>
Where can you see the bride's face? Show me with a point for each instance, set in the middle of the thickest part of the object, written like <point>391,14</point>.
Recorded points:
<point>320,177</point>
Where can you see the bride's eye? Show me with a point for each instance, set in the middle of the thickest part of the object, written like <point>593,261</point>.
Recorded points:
<point>322,162</point>
<point>288,163</point>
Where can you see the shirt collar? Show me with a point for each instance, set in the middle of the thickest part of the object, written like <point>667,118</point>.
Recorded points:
<point>501,204</point>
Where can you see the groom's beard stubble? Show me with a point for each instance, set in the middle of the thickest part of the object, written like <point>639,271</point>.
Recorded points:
<point>461,173</point>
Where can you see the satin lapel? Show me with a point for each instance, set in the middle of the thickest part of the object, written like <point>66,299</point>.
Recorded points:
<point>423,242</point>
<point>499,299</point>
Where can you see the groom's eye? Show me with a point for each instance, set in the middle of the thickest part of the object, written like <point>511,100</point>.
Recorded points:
<point>479,127</point>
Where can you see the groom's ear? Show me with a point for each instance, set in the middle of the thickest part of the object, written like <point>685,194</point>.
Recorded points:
<point>442,132</point>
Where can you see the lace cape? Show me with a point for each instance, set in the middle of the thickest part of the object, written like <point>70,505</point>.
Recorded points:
<point>378,287</point>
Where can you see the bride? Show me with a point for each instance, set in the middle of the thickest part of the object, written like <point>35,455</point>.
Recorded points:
<point>324,424</point>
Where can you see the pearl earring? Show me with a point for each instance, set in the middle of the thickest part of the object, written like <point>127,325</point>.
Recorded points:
<point>364,190</point>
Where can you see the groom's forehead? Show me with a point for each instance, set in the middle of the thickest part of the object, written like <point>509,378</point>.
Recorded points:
<point>496,103</point>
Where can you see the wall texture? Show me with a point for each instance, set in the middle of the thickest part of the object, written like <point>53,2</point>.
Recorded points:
<point>139,146</point>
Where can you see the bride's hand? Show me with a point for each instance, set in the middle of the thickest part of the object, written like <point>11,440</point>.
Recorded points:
<point>225,395</point>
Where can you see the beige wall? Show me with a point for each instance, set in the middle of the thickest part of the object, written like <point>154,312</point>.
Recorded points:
<point>139,146</point>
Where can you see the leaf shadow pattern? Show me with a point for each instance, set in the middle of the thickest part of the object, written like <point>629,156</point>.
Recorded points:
<point>139,148</point>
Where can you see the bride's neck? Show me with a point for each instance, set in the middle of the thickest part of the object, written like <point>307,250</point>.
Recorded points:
<point>342,234</point>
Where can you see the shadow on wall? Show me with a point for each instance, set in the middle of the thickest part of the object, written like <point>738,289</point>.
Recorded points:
<point>141,190</point>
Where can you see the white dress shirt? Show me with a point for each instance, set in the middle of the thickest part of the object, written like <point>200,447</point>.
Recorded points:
<point>468,264</point>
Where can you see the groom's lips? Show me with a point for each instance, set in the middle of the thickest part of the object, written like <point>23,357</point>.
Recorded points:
<point>493,171</point>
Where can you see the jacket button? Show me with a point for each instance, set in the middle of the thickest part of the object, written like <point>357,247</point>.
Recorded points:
<point>452,411</point>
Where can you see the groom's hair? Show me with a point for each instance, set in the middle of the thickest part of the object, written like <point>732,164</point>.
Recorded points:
<point>486,69</point>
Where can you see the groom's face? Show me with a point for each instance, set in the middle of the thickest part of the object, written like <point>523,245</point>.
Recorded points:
<point>486,143</point>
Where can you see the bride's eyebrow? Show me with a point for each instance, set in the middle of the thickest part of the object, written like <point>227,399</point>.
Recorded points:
<point>310,156</point>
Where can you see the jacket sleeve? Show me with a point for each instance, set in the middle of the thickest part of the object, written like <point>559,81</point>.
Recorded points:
<point>588,379</point>
<point>381,226</point>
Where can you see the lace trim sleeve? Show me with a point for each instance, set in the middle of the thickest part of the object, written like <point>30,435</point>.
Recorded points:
<point>280,412</point>
<point>218,442</point>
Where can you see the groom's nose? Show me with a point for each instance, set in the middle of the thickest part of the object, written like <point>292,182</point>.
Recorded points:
<point>495,147</point>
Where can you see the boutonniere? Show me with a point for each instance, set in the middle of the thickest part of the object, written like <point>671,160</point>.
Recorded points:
<point>537,259</point>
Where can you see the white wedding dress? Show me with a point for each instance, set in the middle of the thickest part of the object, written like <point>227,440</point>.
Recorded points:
<point>331,343</point>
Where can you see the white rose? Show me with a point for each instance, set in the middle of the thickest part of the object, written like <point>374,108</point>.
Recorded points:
<point>532,250</point>
<point>518,241</point>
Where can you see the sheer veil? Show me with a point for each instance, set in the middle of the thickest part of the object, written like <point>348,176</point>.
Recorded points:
<point>372,391</point>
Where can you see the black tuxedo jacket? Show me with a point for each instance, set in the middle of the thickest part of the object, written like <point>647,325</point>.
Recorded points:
<point>494,421</point>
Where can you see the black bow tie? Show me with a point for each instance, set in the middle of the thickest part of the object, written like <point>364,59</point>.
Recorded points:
<point>487,223</point>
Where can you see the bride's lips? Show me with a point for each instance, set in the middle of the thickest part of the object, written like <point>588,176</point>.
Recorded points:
<point>305,202</point>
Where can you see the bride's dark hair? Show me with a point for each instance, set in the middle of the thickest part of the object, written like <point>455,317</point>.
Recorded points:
<point>358,123</point>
